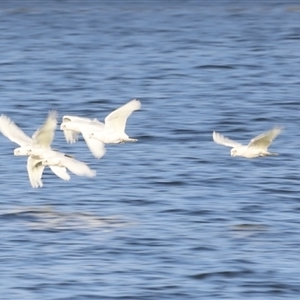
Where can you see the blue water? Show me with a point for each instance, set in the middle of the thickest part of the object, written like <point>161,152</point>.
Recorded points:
<point>172,216</point>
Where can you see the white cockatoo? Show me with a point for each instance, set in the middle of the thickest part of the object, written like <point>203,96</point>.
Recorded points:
<point>258,146</point>
<point>95,133</point>
<point>38,148</point>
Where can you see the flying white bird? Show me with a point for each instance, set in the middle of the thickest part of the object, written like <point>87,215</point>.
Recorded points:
<point>38,148</point>
<point>96,133</point>
<point>258,146</point>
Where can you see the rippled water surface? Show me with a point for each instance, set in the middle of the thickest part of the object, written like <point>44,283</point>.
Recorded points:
<point>172,216</point>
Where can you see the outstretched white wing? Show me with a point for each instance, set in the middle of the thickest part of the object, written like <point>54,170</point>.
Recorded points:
<point>10,130</point>
<point>116,120</point>
<point>44,135</point>
<point>61,160</point>
<point>264,140</point>
<point>222,140</point>
<point>77,167</point>
<point>35,171</point>
<point>96,147</point>
<point>61,172</point>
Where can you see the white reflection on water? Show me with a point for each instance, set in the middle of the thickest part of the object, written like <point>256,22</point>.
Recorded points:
<point>47,218</point>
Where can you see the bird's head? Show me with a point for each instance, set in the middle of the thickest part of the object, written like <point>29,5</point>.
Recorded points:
<point>63,126</point>
<point>233,152</point>
<point>21,151</point>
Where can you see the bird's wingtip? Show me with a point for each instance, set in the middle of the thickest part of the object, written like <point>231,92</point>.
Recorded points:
<point>137,103</point>
<point>279,127</point>
<point>52,114</point>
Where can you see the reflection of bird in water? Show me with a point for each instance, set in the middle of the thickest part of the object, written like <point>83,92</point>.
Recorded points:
<point>46,218</point>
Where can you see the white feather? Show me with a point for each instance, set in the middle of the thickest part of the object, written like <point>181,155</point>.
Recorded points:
<point>35,170</point>
<point>60,172</point>
<point>222,140</point>
<point>116,120</point>
<point>10,130</point>
<point>96,147</point>
<point>44,135</point>
<point>264,140</point>
<point>57,159</point>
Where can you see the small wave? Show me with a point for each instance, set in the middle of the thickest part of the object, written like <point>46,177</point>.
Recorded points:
<point>226,274</point>
<point>172,183</point>
<point>251,227</point>
<point>215,67</point>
